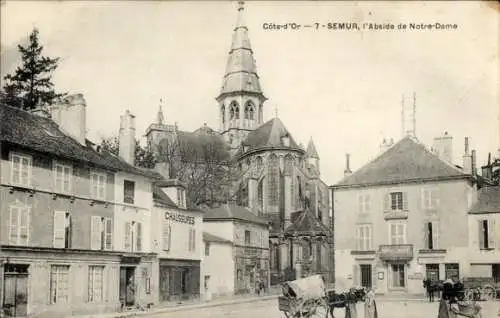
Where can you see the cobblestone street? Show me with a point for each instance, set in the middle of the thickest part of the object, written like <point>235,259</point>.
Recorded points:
<point>269,309</point>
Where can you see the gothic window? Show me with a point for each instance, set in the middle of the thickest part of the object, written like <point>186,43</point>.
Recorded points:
<point>223,114</point>
<point>299,191</point>
<point>259,162</point>
<point>234,111</point>
<point>249,110</point>
<point>260,196</point>
<point>273,179</point>
<point>288,164</point>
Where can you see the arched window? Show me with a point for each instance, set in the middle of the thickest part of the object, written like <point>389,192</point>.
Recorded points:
<point>234,111</point>
<point>223,114</point>
<point>260,196</point>
<point>259,163</point>
<point>249,110</point>
<point>288,164</point>
<point>299,191</point>
<point>274,167</point>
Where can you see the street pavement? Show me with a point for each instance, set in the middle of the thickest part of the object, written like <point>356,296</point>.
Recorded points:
<point>269,309</point>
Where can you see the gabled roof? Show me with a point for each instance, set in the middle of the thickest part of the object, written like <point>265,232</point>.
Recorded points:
<point>241,71</point>
<point>160,197</point>
<point>408,160</point>
<point>269,136</point>
<point>311,150</point>
<point>305,224</point>
<point>41,134</point>
<point>210,238</point>
<point>488,201</point>
<point>230,212</point>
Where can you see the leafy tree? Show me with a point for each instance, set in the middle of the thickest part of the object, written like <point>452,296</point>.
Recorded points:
<point>31,84</point>
<point>143,157</point>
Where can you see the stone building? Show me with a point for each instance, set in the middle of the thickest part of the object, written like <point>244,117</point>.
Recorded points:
<point>271,174</point>
<point>408,212</point>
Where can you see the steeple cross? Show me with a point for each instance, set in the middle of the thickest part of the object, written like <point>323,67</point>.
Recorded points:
<point>241,5</point>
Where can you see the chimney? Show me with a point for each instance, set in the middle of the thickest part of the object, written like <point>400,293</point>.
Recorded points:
<point>347,171</point>
<point>467,158</point>
<point>70,115</point>
<point>163,168</point>
<point>443,147</point>
<point>473,163</point>
<point>127,138</point>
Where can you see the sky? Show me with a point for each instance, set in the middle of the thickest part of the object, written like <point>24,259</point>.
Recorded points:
<point>341,88</point>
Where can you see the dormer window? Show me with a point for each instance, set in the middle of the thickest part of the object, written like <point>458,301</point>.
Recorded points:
<point>181,198</point>
<point>286,140</point>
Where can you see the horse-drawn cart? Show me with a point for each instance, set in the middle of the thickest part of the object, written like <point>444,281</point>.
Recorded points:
<point>479,288</point>
<point>304,298</point>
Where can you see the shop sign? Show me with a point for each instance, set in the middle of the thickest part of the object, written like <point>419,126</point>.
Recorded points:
<point>396,252</point>
<point>179,218</point>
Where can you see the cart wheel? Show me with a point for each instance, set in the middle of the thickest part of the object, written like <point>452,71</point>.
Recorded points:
<point>489,293</point>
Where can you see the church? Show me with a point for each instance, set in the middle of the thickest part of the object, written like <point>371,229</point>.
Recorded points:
<point>275,177</point>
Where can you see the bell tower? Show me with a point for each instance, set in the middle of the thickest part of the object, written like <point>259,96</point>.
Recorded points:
<point>241,100</point>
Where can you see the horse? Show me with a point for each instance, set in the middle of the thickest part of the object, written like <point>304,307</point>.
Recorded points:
<point>432,287</point>
<point>342,300</point>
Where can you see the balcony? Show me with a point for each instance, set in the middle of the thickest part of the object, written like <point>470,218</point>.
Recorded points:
<point>396,252</point>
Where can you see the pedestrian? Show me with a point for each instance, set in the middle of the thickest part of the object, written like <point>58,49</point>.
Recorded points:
<point>370,305</point>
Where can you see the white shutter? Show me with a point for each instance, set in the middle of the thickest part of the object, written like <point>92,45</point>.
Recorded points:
<point>405,201</point>
<point>95,233</point>
<point>367,202</point>
<point>139,236</point>
<point>166,236</point>
<point>491,233</point>
<point>15,215</point>
<point>360,203</point>
<point>387,202</point>
<point>436,196</point>
<point>127,236</point>
<point>435,235</point>
<point>481,234</point>
<point>194,240</point>
<point>24,225</point>
<point>59,229</point>
<point>370,237</point>
<point>108,234</point>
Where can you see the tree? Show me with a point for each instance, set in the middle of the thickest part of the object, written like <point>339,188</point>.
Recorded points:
<point>143,157</point>
<point>31,84</point>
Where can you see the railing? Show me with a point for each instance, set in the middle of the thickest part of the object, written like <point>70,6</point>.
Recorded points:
<point>396,252</point>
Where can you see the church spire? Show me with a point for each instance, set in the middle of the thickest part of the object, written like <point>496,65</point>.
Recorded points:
<point>241,71</point>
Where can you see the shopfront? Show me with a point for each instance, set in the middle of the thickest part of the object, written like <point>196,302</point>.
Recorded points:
<point>179,280</point>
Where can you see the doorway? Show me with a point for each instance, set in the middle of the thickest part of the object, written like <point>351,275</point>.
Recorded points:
<point>366,275</point>
<point>432,271</point>
<point>127,286</point>
<point>15,286</point>
<point>398,275</point>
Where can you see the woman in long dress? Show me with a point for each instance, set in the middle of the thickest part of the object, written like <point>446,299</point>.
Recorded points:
<point>370,305</point>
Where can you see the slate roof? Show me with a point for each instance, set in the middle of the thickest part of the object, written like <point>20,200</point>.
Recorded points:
<point>207,237</point>
<point>41,134</point>
<point>407,160</point>
<point>307,224</point>
<point>232,212</point>
<point>198,144</point>
<point>269,136</point>
<point>488,201</point>
<point>162,198</point>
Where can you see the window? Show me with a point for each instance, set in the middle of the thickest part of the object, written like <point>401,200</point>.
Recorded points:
<point>167,232</point>
<point>451,270</point>
<point>234,111</point>
<point>430,198</point>
<point>397,233</point>
<point>19,224</point>
<point>128,191</point>
<point>21,170</point>
<point>181,198</point>
<point>398,275</point>
<point>364,235</point>
<point>98,185</point>
<point>273,180</point>
<point>62,229</point>
<point>127,237</point>
<point>138,229</point>
<point>96,286</point>
<point>432,235</point>
<point>364,203</point>
<point>59,293</point>
<point>486,234</point>
<point>298,252</point>
<point>397,201</point>
<point>62,177</point>
<point>207,249</point>
<point>247,237</point>
<point>101,233</point>
<point>192,240</point>
<point>260,196</point>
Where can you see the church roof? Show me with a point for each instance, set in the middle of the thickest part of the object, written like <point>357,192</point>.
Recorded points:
<point>488,201</point>
<point>200,144</point>
<point>270,136</point>
<point>227,212</point>
<point>408,160</point>
<point>311,150</point>
<point>307,224</point>
<point>241,70</point>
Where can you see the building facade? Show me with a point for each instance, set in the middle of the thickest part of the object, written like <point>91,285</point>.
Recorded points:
<point>249,261</point>
<point>62,248</point>
<point>407,212</point>
<point>218,266</point>
<point>272,175</point>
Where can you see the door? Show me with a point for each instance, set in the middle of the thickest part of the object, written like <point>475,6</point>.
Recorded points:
<point>15,290</point>
<point>432,271</point>
<point>164,283</point>
<point>127,286</point>
<point>366,275</point>
<point>398,275</point>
